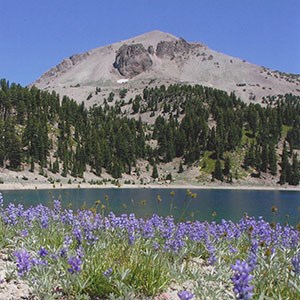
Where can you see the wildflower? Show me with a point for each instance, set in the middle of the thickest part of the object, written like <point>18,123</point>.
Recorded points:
<point>108,272</point>
<point>212,252</point>
<point>68,241</point>
<point>78,235</point>
<point>63,252</point>
<point>39,262</point>
<point>131,238</point>
<point>43,252</point>
<point>1,200</point>
<point>57,206</point>
<point>185,295</point>
<point>241,280</point>
<point>296,263</point>
<point>252,258</point>
<point>23,262</point>
<point>80,252</point>
<point>44,221</point>
<point>75,264</point>
<point>155,246</point>
<point>232,249</point>
<point>24,233</point>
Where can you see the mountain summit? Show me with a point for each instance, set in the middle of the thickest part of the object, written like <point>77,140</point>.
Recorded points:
<point>157,58</point>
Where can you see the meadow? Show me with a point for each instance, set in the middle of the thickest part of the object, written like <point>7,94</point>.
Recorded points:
<point>86,254</point>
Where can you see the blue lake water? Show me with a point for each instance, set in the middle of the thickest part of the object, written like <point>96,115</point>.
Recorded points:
<point>224,204</point>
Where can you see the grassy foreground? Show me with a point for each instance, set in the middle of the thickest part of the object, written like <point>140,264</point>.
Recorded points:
<point>82,254</point>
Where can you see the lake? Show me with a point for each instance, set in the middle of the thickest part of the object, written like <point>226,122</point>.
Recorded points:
<point>202,204</point>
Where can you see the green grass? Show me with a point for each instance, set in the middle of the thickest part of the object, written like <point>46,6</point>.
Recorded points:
<point>246,137</point>
<point>236,159</point>
<point>285,129</point>
<point>207,164</point>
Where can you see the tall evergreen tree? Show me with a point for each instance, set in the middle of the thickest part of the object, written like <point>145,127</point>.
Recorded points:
<point>155,172</point>
<point>272,159</point>
<point>285,166</point>
<point>218,174</point>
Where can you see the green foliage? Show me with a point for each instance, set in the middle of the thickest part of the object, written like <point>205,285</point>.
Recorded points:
<point>169,177</point>
<point>180,170</point>
<point>218,173</point>
<point>110,97</point>
<point>122,93</point>
<point>154,172</point>
<point>136,104</point>
<point>207,162</point>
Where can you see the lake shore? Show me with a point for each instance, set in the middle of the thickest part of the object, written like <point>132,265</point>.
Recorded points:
<point>26,180</point>
<point>84,185</point>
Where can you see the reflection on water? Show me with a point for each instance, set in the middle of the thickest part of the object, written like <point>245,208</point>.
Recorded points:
<point>199,204</point>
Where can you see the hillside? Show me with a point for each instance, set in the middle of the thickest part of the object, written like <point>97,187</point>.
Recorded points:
<point>157,58</point>
<point>195,135</point>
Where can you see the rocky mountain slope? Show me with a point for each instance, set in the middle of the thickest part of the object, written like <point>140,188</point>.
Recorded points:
<point>157,58</point>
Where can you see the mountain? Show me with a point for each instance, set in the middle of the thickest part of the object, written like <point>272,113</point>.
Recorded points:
<point>157,58</point>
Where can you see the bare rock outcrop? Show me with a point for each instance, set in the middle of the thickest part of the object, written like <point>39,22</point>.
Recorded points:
<point>132,60</point>
<point>172,48</point>
<point>151,50</point>
<point>65,65</point>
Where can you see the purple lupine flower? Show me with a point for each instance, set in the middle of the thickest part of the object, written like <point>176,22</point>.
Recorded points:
<point>24,233</point>
<point>11,216</point>
<point>90,237</point>
<point>80,252</point>
<point>63,252</point>
<point>42,252</point>
<point>57,206</point>
<point>77,234</point>
<point>241,280</point>
<point>68,241</point>
<point>65,248</point>
<point>108,272</point>
<point>296,263</point>
<point>67,217</point>
<point>44,221</point>
<point>1,200</point>
<point>75,264</point>
<point>185,295</point>
<point>39,262</point>
<point>232,249</point>
<point>252,258</point>
<point>131,238</point>
<point>147,229</point>
<point>23,262</point>
<point>155,246</point>
<point>212,252</point>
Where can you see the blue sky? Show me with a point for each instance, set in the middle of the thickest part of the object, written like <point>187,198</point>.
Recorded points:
<point>37,35</point>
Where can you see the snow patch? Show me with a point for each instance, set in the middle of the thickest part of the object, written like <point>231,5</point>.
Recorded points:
<point>123,80</point>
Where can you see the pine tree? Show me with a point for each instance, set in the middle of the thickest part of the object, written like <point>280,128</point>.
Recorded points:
<point>218,174</point>
<point>249,159</point>
<point>264,158</point>
<point>180,170</point>
<point>272,159</point>
<point>227,166</point>
<point>155,172</point>
<point>285,166</point>
<point>55,168</point>
<point>14,153</point>
<point>293,176</point>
